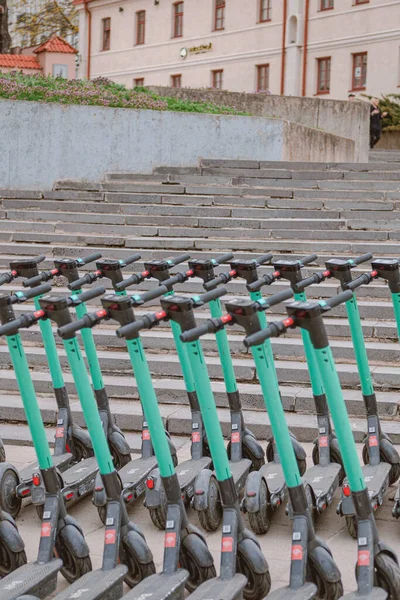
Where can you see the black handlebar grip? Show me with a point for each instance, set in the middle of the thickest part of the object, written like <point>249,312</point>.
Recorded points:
<point>194,334</point>
<point>361,280</point>
<point>11,327</point>
<point>256,286</point>
<point>306,282</point>
<point>179,259</point>
<point>78,283</point>
<point>6,278</point>
<point>70,329</point>
<point>213,295</point>
<point>39,259</point>
<point>32,281</point>
<point>363,258</point>
<point>278,298</point>
<point>339,299</point>
<point>214,283</point>
<point>133,279</point>
<point>92,293</point>
<point>264,258</point>
<point>151,295</point>
<point>39,290</point>
<point>308,259</point>
<point>88,259</point>
<point>273,330</point>
<point>132,259</point>
<point>224,258</point>
<point>145,322</point>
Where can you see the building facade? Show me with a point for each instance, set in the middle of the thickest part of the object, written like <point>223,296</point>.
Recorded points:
<point>293,47</point>
<point>54,57</point>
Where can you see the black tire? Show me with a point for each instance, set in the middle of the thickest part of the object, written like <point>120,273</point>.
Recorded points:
<point>336,457</point>
<point>9,561</point>
<point>310,502</point>
<point>326,589</point>
<point>387,573</point>
<point>73,567</point>
<point>159,514</point>
<point>80,451</point>
<point>258,584</point>
<point>119,460</point>
<point>2,454</point>
<point>9,500</point>
<point>352,526</point>
<point>197,573</point>
<point>256,463</point>
<point>301,462</point>
<point>211,518</point>
<point>102,511</point>
<point>260,521</point>
<point>394,472</point>
<point>137,571</point>
<point>175,460</point>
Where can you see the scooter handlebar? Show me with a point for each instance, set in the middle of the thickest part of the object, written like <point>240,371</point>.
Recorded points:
<point>12,327</point>
<point>224,258</point>
<point>210,326</point>
<point>212,295</point>
<point>339,299</point>
<point>39,259</point>
<point>131,259</point>
<point>88,320</point>
<point>221,279</point>
<point>88,259</point>
<point>132,280</point>
<point>150,295</point>
<point>256,286</point>
<point>264,258</point>
<point>309,259</point>
<point>179,259</point>
<point>79,283</point>
<point>363,258</point>
<point>90,294</point>
<point>35,291</point>
<point>277,299</point>
<point>6,278</point>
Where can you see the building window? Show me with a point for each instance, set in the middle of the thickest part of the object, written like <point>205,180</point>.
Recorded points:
<point>359,71</point>
<point>262,78</point>
<point>140,26</point>
<point>217,79</point>
<point>324,75</point>
<point>326,5</point>
<point>106,34</point>
<point>178,19</point>
<point>176,81</point>
<point>265,10</point>
<point>361,2</point>
<point>60,71</point>
<point>139,82</point>
<point>219,22</point>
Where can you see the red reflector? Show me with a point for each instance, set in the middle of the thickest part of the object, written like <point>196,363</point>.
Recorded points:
<point>288,322</point>
<point>232,273</point>
<point>129,497</point>
<point>99,272</point>
<point>160,315</point>
<point>54,271</point>
<point>199,492</point>
<point>374,274</point>
<point>25,492</point>
<point>14,273</point>
<point>190,272</point>
<point>226,319</point>
<point>347,490</point>
<point>36,479</point>
<point>276,274</point>
<point>101,313</point>
<point>250,494</point>
<point>326,273</point>
<point>69,495</point>
<point>38,314</point>
<point>145,273</point>
<point>150,483</point>
<point>98,488</point>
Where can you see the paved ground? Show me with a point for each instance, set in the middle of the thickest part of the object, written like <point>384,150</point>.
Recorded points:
<point>275,544</point>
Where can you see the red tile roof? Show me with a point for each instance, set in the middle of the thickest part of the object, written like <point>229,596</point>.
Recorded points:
<point>19,61</point>
<point>56,44</point>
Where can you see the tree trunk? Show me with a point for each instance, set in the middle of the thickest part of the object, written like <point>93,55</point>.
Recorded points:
<point>5,38</point>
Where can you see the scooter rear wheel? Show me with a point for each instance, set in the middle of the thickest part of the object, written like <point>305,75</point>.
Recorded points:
<point>197,573</point>
<point>260,520</point>
<point>2,454</point>
<point>388,575</point>
<point>9,500</point>
<point>352,527</point>
<point>394,472</point>
<point>158,514</point>
<point>335,457</point>
<point>73,567</point>
<point>137,571</point>
<point>258,584</point>
<point>210,518</point>
<point>327,590</point>
<point>9,561</point>
<point>256,463</point>
<point>120,460</point>
<point>301,462</point>
<point>80,451</point>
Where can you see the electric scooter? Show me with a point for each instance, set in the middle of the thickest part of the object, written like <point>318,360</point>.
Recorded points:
<point>312,566</point>
<point>381,460</point>
<point>240,549</point>
<point>61,536</point>
<point>68,268</point>
<point>247,270</point>
<point>327,473</point>
<point>377,569</point>
<point>126,542</point>
<point>134,473</point>
<point>184,544</point>
<point>72,443</point>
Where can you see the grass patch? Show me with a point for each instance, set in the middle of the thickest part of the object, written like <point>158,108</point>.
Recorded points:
<point>97,92</point>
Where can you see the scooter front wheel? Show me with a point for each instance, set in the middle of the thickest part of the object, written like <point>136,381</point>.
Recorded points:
<point>73,566</point>
<point>327,590</point>
<point>394,472</point>
<point>260,520</point>
<point>387,573</point>
<point>301,462</point>
<point>210,518</point>
<point>158,514</point>
<point>80,451</point>
<point>9,560</point>
<point>119,459</point>
<point>188,559</point>
<point>258,584</point>
<point>9,501</point>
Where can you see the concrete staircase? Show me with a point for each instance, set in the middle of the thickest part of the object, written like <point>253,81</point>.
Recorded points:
<point>289,209</point>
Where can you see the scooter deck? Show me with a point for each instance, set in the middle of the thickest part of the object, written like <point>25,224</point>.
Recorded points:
<point>273,475</point>
<point>375,475</point>
<point>160,587</point>
<point>80,471</point>
<point>322,479</point>
<point>136,470</point>
<point>308,591</point>
<point>376,594</point>
<point>32,578</point>
<point>61,462</point>
<point>97,585</point>
<point>239,471</point>
<point>188,470</point>
<point>221,589</point>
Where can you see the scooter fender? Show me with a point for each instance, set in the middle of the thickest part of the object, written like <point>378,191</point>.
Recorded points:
<point>253,555</point>
<point>253,447</point>
<point>171,445</point>
<point>383,547</point>
<point>72,536</point>
<point>335,444</point>
<point>11,537</point>
<point>391,454</point>
<point>202,482</point>
<point>252,492</point>
<point>99,497</point>
<point>117,440</point>
<point>347,505</point>
<point>323,563</point>
<point>298,449</point>
<point>142,551</point>
<point>5,466</point>
<point>198,548</point>
<point>153,496</point>
<point>83,436</point>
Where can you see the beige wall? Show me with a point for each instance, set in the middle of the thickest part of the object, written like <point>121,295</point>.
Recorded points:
<point>48,59</point>
<point>24,71</point>
<point>372,28</point>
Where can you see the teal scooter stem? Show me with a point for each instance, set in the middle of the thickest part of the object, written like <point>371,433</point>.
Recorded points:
<point>376,561</point>
<point>61,535</point>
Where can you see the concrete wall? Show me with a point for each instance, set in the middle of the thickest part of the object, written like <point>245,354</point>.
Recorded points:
<point>346,119</point>
<point>42,143</point>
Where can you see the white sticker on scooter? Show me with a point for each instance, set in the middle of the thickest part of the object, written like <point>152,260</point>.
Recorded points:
<point>184,472</point>
<point>79,593</point>
<point>369,478</point>
<point>272,475</point>
<point>317,479</point>
<point>12,585</point>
